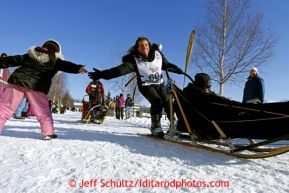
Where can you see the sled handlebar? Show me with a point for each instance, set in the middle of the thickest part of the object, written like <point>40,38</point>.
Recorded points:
<point>173,70</point>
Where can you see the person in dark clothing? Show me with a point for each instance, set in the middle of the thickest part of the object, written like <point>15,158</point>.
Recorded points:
<point>95,90</point>
<point>197,95</point>
<point>20,109</point>
<point>62,109</point>
<point>200,90</point>
<point>117,109</point>
<point>148,62</point>
<point>33,80</point>
<point>128,104</point>
<point>254,90</point>
<point>49,104</point>
<point>3,55</point>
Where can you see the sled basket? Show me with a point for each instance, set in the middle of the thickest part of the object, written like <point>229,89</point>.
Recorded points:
<point>210,119</point>
<point>92,112</point>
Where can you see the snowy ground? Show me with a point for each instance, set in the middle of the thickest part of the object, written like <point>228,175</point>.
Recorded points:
<point>98,158</point>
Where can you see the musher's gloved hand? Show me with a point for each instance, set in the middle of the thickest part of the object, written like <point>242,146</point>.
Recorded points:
<point>169,86</point>
<point>179,71</point>
<point>96,75</point>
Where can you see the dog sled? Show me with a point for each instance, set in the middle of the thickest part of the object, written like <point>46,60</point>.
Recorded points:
<point>216,124</point>
<point>93,113</point>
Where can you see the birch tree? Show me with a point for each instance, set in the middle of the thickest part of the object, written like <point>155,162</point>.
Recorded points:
<point>120,82</point>
<point>231,40</point>
<point>58,87</point>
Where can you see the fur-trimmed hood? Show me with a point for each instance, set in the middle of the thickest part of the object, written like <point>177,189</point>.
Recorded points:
<point>41,57</point>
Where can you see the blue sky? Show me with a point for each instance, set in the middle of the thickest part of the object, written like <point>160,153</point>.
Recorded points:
<point>89,30</point>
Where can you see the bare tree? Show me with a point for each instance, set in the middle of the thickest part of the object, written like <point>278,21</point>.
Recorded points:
<point>67,100</point>
<point>231,40</point>
<point>115,60</point>
<point>133,88</point>
<point>58,87</point>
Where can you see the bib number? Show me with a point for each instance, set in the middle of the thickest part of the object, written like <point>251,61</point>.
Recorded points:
<point>154,77</point>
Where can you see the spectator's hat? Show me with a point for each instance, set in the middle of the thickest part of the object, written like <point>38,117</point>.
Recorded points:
<point>255,69</point>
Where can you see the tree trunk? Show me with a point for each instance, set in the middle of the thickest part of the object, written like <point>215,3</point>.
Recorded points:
<point>221,89</point>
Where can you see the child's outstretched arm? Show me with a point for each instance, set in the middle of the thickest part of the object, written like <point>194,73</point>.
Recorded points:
<point>82,70</point>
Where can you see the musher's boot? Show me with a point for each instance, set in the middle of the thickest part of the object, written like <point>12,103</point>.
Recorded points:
<point>156,127</point>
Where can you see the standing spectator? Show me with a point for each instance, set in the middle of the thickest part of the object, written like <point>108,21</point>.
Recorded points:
<point>53,108</point>
<point>57,109</point>
<point>50,104</point>
<point>30,111</point>
<point>117,111</point>
<point>128,104</point>
<point>32,79</point>
<point>111,106</point>
<point>148,62</point>
<point>62,110</point>
<point>254,88</point>
<point>121,105</point>
<point>25,110</point>
<point>19,109</point>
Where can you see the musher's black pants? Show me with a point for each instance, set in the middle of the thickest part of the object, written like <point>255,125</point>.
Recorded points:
<point>157,97</point>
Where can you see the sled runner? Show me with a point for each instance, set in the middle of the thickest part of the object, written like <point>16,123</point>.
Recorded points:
<point>212,122</point>
<point>93,113</point>
<point>250,154</point>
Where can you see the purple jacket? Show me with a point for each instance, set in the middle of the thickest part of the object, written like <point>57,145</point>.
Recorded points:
<point>120,102</point>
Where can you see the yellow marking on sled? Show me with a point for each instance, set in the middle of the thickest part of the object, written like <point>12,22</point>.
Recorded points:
<point>88,119</point>
<point>103,119</point>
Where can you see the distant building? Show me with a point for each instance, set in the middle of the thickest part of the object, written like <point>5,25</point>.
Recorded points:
<point>77,106</point>
<point>135,110</point>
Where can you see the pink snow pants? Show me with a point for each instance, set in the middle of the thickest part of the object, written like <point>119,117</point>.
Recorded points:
<point>1,87</point>
<point>11,98</point>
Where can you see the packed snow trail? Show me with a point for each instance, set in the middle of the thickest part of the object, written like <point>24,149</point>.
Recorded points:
<point>98,158</point>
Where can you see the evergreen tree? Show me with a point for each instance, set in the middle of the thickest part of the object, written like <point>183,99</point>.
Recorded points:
<point>107,98</point>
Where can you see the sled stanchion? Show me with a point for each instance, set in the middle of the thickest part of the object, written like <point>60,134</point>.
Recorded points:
<point>251,141</point>
<point>219,129</point>
<point>88,119</point>
<point>228,141</point>
<point>184,116</point>
<point>171,112</point>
